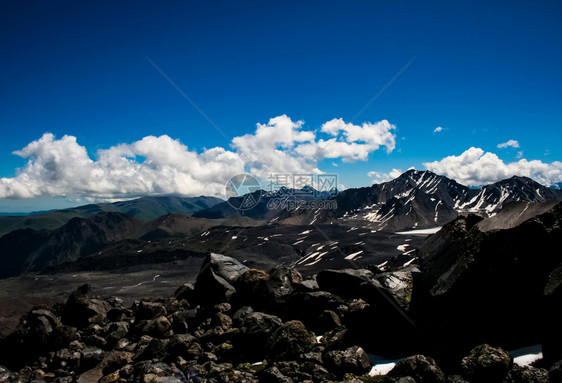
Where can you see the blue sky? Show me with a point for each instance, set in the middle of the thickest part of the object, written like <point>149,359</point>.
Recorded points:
<point>484,73</point>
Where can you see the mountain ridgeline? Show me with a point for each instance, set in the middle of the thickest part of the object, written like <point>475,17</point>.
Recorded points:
<point>161,229</point>
<point>420,200</point>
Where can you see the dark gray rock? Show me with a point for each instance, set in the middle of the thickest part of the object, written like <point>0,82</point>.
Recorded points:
<point>215,279</point>
<point>241,314</point>
<point>399,284</point>
<point>149,310</point>
<point>526,375</point>
<point>355,360</point>
<point>187,292</point>
<point>555,372</point>
<point>552,334</point>
<point>81,309</point>
<point>289,341</point>
<point>116,331</point>
<point>273,375</point>
<point>158,327</point>
<point>484,281</point>
<point>486,364</point>
<point>309,307</point>
<point>423,369</point>
<point>260,325</point>
<point>184,345</point>
<point>90,357</point>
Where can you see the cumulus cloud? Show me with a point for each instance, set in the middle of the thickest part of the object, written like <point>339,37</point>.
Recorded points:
<point>475,167</point>
<point>350,142</point>
<point>438,129</point>
<point>62,167</point>
<point>510,143</point>
<point>163,165</point>
<point>273,148</point>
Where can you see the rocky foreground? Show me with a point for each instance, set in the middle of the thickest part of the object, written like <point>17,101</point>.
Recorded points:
<point>243,325</point>
<point>477,282</point>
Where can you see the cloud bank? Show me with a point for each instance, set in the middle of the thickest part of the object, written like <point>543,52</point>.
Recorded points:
<point>163,165</point>
<point>475,167</point>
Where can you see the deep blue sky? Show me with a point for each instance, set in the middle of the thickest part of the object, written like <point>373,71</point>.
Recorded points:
<point>486,73</point>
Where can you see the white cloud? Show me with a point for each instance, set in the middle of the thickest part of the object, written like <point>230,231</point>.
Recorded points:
<point>438,129</point>
<point>383,177</point>
<point>350,142</point>
<point>510,143</point>
<point>162,165</point>
<point>475,167</point>
<point>62,167</point>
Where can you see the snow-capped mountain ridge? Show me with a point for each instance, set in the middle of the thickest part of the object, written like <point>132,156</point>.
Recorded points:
<point>422,199</point>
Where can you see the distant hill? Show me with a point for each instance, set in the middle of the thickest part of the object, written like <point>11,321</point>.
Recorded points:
<point>28,250</point>
<point>144,208</point>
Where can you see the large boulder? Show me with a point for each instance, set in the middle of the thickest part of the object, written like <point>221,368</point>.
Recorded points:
<point>398,333</point>
<point>486,364</point>
<point>38,332</point>
<point>267,291</point>
<point>216,278</point>
<point>81,309</point>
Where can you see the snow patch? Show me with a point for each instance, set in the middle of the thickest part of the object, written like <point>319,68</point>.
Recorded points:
<point>432,230</point>
<point>353,255</point>
<point>402,247</point>
<point>525,356</point>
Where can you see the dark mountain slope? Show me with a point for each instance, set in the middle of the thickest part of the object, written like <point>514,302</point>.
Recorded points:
<point>145,208</point>
<point>485,278</point>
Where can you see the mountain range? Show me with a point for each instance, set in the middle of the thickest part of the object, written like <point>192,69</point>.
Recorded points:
<point>303,228</point>
<point>419,200</point>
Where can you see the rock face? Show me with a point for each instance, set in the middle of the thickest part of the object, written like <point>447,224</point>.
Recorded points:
<point>485,286</point>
